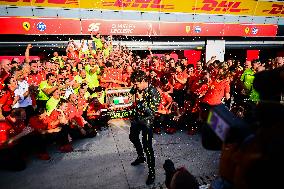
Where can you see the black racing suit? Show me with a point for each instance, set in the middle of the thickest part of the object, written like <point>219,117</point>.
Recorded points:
<point>143,121</point>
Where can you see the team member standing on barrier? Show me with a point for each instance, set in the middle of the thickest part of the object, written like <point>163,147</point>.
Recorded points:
<point>147,101</point>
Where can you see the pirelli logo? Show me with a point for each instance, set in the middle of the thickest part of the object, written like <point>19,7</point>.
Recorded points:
<point>144,4</point>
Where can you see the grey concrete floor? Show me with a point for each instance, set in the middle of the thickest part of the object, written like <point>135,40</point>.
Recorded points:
<point>103,162</point>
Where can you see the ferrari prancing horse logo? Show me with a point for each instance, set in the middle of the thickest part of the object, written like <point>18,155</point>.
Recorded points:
<point>26,26</point>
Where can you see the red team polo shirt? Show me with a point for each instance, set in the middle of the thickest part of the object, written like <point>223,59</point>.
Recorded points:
<point>73,114</point>
<point>92,109</point>
<point>74,55</point>
<point>38,124</point>
<point>6,99</point>
<point>36,79</point>
<point>112,74</point>
<point>178,85</point>
<point>81,103</point>
<point>165,100</point>
<point>53,117</point>
<point>126,78</point>
<point>216,92</point>
<point>3,76</point>
<point>4,132</point>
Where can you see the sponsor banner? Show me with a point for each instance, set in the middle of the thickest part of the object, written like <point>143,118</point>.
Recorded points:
<point>115,27</point>
<point>250,30</point>
<point>50,26</point>
<point>119,102</point>
<point>141,28</point>
<point>119,98</point>
<point>217,29</point>
<point>268,8</point>
<point>46,26</point>
<point>44,3</point>
<point>239,7</point>
<point>192,29</point>
<point>118,114</point>
<point>219,7</point>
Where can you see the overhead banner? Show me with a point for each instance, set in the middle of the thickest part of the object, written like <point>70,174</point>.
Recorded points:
<point>135,28</point>
<point>53,26</point>
<point>219,7</point>
<point>15,25</point>
<point>121,27</point>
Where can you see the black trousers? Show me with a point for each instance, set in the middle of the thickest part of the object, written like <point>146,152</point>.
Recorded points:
<point>164,121</point>
<point>179,96</point>
<point>147,135</point>
<point>99,122</point>
<point>12,158</point>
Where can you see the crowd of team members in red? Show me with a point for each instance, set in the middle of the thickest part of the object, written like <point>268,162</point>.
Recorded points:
<point>42,101</point>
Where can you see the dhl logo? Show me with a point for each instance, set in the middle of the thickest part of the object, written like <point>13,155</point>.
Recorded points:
<point>144,4</point>
<point>275,9</point>
<point>59,2</point>
<point>223,6</point>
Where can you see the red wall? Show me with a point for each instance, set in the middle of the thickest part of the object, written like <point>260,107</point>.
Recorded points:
<point>252,54</point>
<point>193,56</point>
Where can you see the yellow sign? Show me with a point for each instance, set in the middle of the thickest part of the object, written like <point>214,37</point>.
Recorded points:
<point>231,7</point>
<point>247,30</point>
<point>187,29</point>
<point>26,26</point>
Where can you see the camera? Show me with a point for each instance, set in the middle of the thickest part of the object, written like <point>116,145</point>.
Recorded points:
<point>252,149</point>
<point>222,126</point>
<point>226,126</point>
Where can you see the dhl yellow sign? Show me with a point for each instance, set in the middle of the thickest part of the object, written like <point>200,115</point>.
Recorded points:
<point>231,7</point>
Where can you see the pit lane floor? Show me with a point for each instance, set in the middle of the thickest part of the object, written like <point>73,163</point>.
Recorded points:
<point>103,162</point>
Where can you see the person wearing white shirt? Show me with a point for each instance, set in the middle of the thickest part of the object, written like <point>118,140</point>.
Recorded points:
<point>22,95</point>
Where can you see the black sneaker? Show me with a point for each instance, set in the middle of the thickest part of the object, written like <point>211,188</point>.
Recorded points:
<point>151,178</point>
<point>138,161</point>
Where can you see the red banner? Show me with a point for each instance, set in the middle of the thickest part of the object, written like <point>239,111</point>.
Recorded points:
<point>49,26</point>
<point>139,28</point>
<point>15,25</point>
<point>115,27</point>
